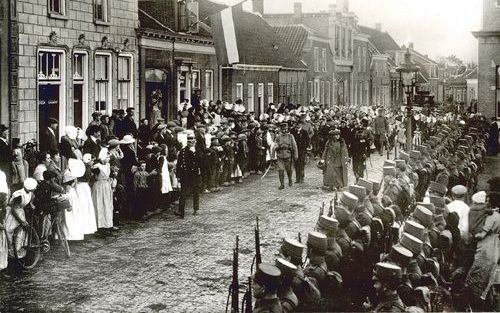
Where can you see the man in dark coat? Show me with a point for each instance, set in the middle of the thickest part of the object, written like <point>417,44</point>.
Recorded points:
<point>5,151</point>
<point>188,172</point>
<point>49,139</point>
<point>129,126</point>
<point>302,139</point>
<point>92,144</point>
<point>360,150</point>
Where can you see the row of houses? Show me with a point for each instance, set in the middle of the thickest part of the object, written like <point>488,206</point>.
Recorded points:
<point>66,59</point>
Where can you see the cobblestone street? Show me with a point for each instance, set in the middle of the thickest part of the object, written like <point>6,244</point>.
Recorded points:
<point>172,265</point>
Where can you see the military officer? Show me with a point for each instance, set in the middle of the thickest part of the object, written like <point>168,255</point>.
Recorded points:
<point>287,153</point>
<point>386,279</point>
<point>266,282</point>
<point>302,139</point>
<point>360,150</point>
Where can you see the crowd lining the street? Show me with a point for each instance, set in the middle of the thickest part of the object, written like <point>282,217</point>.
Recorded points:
<point>115,171</point>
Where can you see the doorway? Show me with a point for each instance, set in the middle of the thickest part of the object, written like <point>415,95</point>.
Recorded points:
<point>48,104</point>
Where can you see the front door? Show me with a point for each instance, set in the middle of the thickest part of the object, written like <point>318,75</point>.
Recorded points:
<point>48,104</point>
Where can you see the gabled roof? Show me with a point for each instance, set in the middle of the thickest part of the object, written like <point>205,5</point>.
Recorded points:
<point>381,40</point>
<point>258,44</point>
<point>294,35</point>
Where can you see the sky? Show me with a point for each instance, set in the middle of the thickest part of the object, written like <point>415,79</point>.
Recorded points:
<point>436,27</point>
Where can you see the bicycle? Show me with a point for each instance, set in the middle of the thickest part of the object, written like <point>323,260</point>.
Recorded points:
<point>26,241</point>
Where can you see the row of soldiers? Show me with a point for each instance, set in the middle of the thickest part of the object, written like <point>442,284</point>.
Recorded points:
<point>401,244</point>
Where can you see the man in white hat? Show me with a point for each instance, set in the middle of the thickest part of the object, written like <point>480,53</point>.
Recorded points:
<point>459,206</point>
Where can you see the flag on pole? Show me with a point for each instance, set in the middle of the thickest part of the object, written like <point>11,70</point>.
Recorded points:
<point>224,35</point>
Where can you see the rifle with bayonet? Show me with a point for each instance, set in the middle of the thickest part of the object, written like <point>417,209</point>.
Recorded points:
<point>234,287</point>
<point>330,209</point>
<point>247,298</point>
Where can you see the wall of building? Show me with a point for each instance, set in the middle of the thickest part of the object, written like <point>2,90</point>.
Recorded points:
<point>491,15</point>
<point>361,73</point>
<point>319,76</point>
<point>35,26</point>
<point>489,60</point>
<point>4,62</point>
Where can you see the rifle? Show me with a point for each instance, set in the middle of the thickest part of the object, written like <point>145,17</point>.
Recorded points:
<point>246,303</point>
<point>336,198</point>
<point>322,209</point>
<point>330,209</point>
<point>258,256</point>
<point>300,238</point>
<point>246,306</point>
<point>234,287</point>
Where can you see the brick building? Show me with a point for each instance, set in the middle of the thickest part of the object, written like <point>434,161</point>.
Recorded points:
<point>178,54</point>
<point>314,50</point>
<point>361,70</point>
<point>338,25</point>
<point>70,58</point>
<point>489,60</point>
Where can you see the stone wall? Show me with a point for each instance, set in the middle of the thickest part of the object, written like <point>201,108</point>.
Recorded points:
<point>35,26</point>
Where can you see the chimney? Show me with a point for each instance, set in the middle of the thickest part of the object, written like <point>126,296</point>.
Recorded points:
<point>378,27</point>
<point>410,45</point>
<point>258,6</point>
<point>297,12</point>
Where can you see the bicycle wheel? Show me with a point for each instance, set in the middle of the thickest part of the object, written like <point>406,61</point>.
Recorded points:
<point>62,239</point>
<point>26,246</point>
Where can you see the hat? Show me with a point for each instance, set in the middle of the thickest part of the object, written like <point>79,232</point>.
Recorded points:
<point>479,197</point>
<point>130,109</point>
<point>438,188</point>
<point>459,190</point>
<point>343,216</point>
<point>415,229</point>
<point>113,143</point>
<point>376,184</point>
<point>414,154</point>
<point>439,219</point>
<point>411,243</point>
<point>292,248</point>
<point>156,149</point>
<point>400,255</point>
<point>358,191</point>
<point>30,184</point>
<point>96,114</point>
<point>268,275</point>
<point>127,139</point>
<point>365,183</point>
<point>401,164</point>
<point>171,125</point>
<point>178,129</point>
<point>68,177</point>
<point>404,156</point>
<point>76,167</point>
<point>3,128</point>
<point>439,202</point>
<point>389,273</point>
<point>318,242</point>
<point>446,237</point>
<point>389,163</point>
<point>87,157</point>
<point>53,121</point>
<point>286,268</point>
<point>389,171</point>
<point>103,154</point>
<point>349,199</point>
<point>429,206</point>
<point>423,215</point>
<point>334,132</point>
<point>327,224</point>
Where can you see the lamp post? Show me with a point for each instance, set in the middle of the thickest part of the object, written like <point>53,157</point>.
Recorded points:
<point>408,79</point>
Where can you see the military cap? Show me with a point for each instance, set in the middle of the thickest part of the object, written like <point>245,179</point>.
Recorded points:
<point>415,229</point>
<point>411,243</point>
<point>462,142</point>
<point>438,188</point>
<point>318,242</point>
<point>400,255</point>
<point>334,132</point>
<point>416,155</point>
<point>343,216</point>
<point>434,138</point>
<point>389,274</point>
<point>423,215</point>
<point>429,206</point>
<point>96,114</point>
<point>459,190</point>
<point>287,269</point>
<point>389,163</point>
<point>358,191</point>
<point>268,275</point>
<point>171,125</point>
<point>404,156</point>
<point>349,199</point>
<point>328,224</point>
<point>479,197</point>
<point>292,248</point>
<point>445,238</point>
<point>439,202</point>
<point>178,129</point>
<point>401,164</point>
<point>365,183</point>
<point>376,184</point>
<point>389,171</point>
<point>390,211</point>
<point>439,220</point>
<point>156,149</point>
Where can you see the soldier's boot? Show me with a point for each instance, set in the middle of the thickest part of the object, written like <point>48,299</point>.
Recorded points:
<point>281,175</point>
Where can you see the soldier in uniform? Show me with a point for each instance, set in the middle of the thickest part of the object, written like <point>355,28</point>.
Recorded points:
<point>288,299</point>
<point>266,282</point>
<point>302,139</point>
<point>286,152</point>
<point>188,172</point>
<point>386,279</point>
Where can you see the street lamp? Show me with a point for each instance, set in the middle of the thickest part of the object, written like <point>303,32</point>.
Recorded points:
<point>408,78</point>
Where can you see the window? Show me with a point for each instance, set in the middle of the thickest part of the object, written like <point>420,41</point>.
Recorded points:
<point>355,94</point>
<point>337,41</point>
<point>359,59</point>
<point>360,100</point>
<point>260,97</point>
<point>209,85</point>
<point>270,93</point>
<point>125,81</point>
<point>348,43</point>
<point>80,89</point>
<point>251,95</point>
<point>323,58</point>
<point>195,80</point>
<point>343,48</point>
<point>498,90</point>
<point>102,89</point>
<point>282,93</point>
<point>299,92</point>
<point>182,16</point>
<point>316,59</point>
<point>498,3</point>
<point>328,93</point>
<point>316,90</point>
<point>57,7</point>
<point>310,90</point>
<point>322,92</point>
<point>101,10</point>
<point>365,60</point>
<point>239,91</point>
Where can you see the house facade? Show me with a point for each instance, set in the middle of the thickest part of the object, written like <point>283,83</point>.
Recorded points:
<point>489,60</point>
<point>67,60</point>
<point>361,70</point>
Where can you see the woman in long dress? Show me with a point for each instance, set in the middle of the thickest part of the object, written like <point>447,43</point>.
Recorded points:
<point>73,219</point>
<point>335,160</point>
<point>89,224</point>
<point>102,194</point>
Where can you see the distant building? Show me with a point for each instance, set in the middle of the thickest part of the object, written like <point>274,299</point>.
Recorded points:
<point>314,50</point>
<point>489,60</point>
<point>362,70</point>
